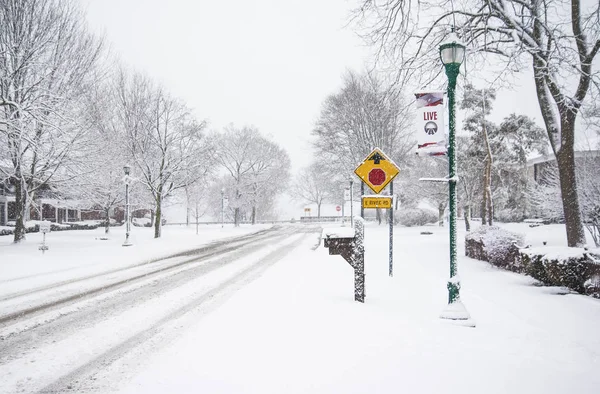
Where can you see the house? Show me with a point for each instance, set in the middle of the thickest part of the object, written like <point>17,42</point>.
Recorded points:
<point>538,167</point>
<point>48,206</point>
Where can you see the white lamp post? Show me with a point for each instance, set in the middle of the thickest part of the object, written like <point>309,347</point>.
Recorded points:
<point>127,170</point>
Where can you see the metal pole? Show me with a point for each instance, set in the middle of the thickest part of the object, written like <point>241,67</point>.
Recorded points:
<point>392,230</point>
<point>351,204</point>
<point>343,205</point>
<point>127,221</point>
<point>452,73</point>
<point>362,193</point>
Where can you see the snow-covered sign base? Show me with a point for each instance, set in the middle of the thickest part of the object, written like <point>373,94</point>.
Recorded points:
<point>457,312</point>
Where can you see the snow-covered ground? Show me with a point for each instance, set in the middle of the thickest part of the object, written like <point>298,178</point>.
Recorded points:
<point>81,252</point>
<point>288,322</point>
<point>298,330</point>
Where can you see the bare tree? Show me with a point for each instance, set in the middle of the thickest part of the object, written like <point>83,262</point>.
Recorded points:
<point>364,115</point>
<point>558,39</point>
<point>259,170</point>
<point>311,186</point>
<point>47,59</point>
<point>165,143</point>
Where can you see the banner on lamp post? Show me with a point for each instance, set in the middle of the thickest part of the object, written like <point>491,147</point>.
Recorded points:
<point>431,133</point>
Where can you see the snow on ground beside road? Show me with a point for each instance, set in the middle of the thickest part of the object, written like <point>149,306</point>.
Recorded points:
<point>78,253</point>
<point>297,329</point>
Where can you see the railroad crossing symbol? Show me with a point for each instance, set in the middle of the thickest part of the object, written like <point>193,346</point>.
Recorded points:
<point>377,170</point>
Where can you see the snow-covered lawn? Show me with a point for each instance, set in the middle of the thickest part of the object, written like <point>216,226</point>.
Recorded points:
<point>77,253</point>
<point>297,329</point>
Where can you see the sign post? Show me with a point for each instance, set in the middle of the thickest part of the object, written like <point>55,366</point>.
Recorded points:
<point>45,227</point>
<point>377,171</point>
<point>351,203</point>
<point>391,266</point>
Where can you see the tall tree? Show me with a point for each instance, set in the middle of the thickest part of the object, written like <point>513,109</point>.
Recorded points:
<point>365,114</point>
<point>558,39</point>
<point>258,169</point>
<point>47,61</point>
<point>165,142</point>
<point>479,103</point>
<point>516,139</point>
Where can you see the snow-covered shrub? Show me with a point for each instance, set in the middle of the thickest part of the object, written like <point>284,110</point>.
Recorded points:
<point>92,225</point>
<point>575,268</point>
<point>509,215</point>
<point>141,222</point>
<point>416,217</point>
<point>4,230</point>
<point>495,245</point>
<point>57,227</point>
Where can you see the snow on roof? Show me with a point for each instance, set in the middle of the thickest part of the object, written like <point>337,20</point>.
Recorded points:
<point>551,157</point>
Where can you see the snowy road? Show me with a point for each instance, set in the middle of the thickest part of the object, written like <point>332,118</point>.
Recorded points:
<point>80,329</point>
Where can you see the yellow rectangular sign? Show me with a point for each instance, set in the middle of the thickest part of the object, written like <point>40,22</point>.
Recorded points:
<point>377,202</point>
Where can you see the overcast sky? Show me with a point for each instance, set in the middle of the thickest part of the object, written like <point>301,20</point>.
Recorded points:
<point>268,63</point>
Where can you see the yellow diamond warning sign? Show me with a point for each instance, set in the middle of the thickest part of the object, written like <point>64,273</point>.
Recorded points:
<point>377,170</point>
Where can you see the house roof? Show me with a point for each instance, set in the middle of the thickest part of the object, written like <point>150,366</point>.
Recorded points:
<point>550,157</point>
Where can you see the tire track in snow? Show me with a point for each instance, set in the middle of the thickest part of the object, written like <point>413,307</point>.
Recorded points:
<point>191,252</point>
<point>196,254</point>
<point>84,378</point>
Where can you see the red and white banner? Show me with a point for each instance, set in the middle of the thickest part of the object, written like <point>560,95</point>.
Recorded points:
<point>431,133</point>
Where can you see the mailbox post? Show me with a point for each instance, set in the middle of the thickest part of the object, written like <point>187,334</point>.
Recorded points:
<point>351,248</point>
<point>45,228</point>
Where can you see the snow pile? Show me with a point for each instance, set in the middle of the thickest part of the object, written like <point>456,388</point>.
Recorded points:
<point>338,232</point>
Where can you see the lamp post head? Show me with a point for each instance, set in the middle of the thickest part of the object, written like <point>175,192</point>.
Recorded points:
<point>127,169</point>
<point>452,51</point>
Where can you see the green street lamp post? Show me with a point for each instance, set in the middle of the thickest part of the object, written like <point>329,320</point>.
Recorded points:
<point>452,54</point>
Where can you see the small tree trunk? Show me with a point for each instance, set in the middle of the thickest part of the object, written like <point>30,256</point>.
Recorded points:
<point>236,217</point>
<point>197,218</point>
<point>488,192</point>
<point>157,218</point>
<point>107,224</point>
<point>318,210</point>
<point>19,234</point>
<point>467,216</point>
<point>254,215</point>
<point>441,208</point>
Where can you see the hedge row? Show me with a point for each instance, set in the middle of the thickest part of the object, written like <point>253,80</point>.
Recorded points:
<point>575,268</point>
<point>35,228</point>
<point>579,270</point>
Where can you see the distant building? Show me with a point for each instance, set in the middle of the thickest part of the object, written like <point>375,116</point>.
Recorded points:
<point>537,168</point>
